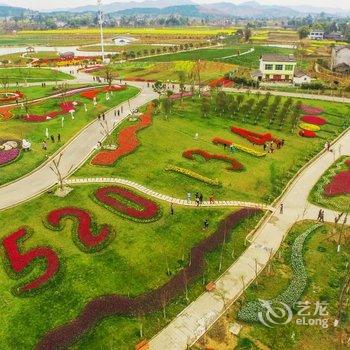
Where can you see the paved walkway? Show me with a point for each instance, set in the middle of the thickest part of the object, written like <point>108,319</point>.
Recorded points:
<point>74,153</point>
<point>165,198</point>
<point>193,321</point>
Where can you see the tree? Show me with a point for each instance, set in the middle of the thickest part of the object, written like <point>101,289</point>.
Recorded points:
<point>109,75</point>
<point>247,34</point>
<point>166,106</point>
<point>205,107</point>
<point>159,88</point>
<point>303,32</point>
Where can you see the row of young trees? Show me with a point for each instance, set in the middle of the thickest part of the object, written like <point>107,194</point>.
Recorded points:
<point>263,110</point>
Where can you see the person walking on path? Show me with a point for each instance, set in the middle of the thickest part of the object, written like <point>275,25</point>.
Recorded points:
<point>172,209</point>
<point>99,117</point>
<point>281,208</point>
<point>212,199</point>
<point>103,116</point>
<point>58,137</point>
<point>52,138</point>
<point>200,198</point>
<point>206,224</point>
<point>319,217</point>
<point>189,197</point>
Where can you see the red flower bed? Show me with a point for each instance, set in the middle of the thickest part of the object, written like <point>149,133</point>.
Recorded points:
<point>91,69</point>
<point>85,235</point>
<point>5,112</point>
<point>11,96</point>
<point>311,110</point>
<point>21,262</point>
<point>307,133</point>
<point>91,94</point>
<point>109,305</point>
<point>340,183</point>
<point>221,82</point>
<point>253,137</point>
<point>180,95</point>
<point>127,141</point>
<point>65,107</point>
<point>311,119</point>
<point>139,79</point>
<point>148,211</point>
<point>235,164</point>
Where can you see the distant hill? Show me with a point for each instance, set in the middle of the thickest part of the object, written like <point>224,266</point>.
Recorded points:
<point>222,9</point>
<point>10,11</point>
<point>120,6</point>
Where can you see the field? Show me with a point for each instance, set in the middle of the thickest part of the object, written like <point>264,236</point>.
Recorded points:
<point>17,129</point>
<point>31,75</point>
<point>167,71</point>
<point>223,54</point>
<point>165,141</point>
<point>326,272</point>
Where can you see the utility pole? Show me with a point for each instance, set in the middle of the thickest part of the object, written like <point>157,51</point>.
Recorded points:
<point>101,30</point>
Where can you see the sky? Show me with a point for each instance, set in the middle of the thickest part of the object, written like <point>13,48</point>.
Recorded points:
<point>43,5</point>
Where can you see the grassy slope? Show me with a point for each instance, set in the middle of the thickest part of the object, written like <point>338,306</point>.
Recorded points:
<point>32,75</point>
<point>164,142</point>
<point>35,132</point>
<point>134,263</point>
<point>339,203</point>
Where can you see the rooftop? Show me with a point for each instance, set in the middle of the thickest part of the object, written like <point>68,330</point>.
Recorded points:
<point>278,58</point>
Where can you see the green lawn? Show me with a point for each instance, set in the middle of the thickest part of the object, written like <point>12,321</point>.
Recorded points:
<point>164,142</point>
<point>132,264</point>
<point>339,203</point>
<point>18,129</point>
<point>250,60</point>
<point>34,92</point>
<point>326,271</point>
<point>31,75</point>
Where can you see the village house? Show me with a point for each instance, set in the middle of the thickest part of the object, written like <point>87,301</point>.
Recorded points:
<point>301,78</point>
<point>316,35</point>
<point>277,68</point>
<point>340,60</point>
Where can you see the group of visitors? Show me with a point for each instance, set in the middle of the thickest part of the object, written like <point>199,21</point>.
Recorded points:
<point>44,144</point>
<point>198,198</point>
<point>273,145</point>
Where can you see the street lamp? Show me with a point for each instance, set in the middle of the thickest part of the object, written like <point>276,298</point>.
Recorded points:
<point>99,2</point>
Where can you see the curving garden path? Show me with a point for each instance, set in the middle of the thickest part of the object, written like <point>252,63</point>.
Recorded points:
<point>165,198</point>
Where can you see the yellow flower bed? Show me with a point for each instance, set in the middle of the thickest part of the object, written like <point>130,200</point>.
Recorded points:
<point>310,127</point>
<point>194,175</point>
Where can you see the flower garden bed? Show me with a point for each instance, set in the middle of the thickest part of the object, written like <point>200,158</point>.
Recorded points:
<point>65,107</point>
<point>127,141</point>
<point>311,110</point>
<point>10,96</point>
<point>19,263</point>
<point>309,127</point>
<point>253,137</point>
<point>105,306</point>
<point>311,119</point>
<point>250,312</point>
<point>5,112</point>
<point>235,164</point>
<point>340,183</point>
<point>221,82</point>
<point>193,175</point>
<point>307,133</point>
<point>65,61</point>
<point>180,95</point>
<point>87,237</point>
<point>129,204</point>
<point>253,152</point>
<point>9,152</point>
<point>92,93</point>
